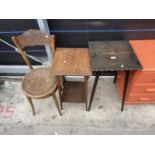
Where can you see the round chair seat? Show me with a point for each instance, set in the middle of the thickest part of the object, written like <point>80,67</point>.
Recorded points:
<point>39,83</point>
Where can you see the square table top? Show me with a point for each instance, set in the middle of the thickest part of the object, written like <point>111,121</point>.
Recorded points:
<point>71,61</point>
<point>112,56</point>
<point>145,51</point>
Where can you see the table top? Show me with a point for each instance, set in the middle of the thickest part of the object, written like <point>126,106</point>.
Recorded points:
<point>71,61</point>
<point>145,51</point>
<point>112,56</point>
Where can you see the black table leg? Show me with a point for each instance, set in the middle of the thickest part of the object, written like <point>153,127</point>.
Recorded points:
<point>127,74</point>
<point>93,91</point>
<point>115,78</point>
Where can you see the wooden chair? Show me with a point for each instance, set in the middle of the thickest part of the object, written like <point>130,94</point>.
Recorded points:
<point>40,82</point>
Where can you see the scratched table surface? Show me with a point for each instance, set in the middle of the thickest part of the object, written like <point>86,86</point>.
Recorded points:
<point>71,61</point>
<point>112,56</point>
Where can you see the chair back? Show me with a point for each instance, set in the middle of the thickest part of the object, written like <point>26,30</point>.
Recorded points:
<point>31,38</point>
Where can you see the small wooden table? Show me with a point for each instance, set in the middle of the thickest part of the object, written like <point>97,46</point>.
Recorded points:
<point>112,56</point>
<point>72,62</point>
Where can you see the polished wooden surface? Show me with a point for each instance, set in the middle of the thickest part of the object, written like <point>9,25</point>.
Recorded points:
<point>71,61</point>
<point>112,56</point>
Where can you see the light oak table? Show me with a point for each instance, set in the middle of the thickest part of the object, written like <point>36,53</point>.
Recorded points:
<point>72,62</point>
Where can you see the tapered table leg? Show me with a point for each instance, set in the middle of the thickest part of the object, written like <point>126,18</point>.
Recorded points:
<point>56,103</point>
<point>93,91</point>
<point>86,91</point>
<point>60,91</point>
<point>126,81</point>
<point>115,78</point>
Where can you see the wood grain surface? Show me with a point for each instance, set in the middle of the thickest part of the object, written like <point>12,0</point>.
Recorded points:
<point>71,61</point>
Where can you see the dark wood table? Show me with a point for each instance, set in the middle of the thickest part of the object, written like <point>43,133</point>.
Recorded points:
<point>112,56</point>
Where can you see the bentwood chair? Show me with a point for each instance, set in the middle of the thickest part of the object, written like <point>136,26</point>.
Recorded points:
<point>40,82</point>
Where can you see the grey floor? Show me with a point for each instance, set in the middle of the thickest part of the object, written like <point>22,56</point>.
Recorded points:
<point>105,116</point>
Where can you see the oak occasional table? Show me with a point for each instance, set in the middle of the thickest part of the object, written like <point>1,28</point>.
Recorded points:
<point>112,56</point>
<point>72,62</point>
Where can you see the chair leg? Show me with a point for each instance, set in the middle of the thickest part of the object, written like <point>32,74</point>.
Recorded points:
<point>56,103</point>
<point>31,104</point>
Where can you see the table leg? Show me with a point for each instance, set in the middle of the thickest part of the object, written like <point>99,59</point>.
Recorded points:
<point>115,78</point>
<point>63,79</point>
<point>60,90</point>
<point>86,90</point>
<point>126,81</point>
<point>93,91</point>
